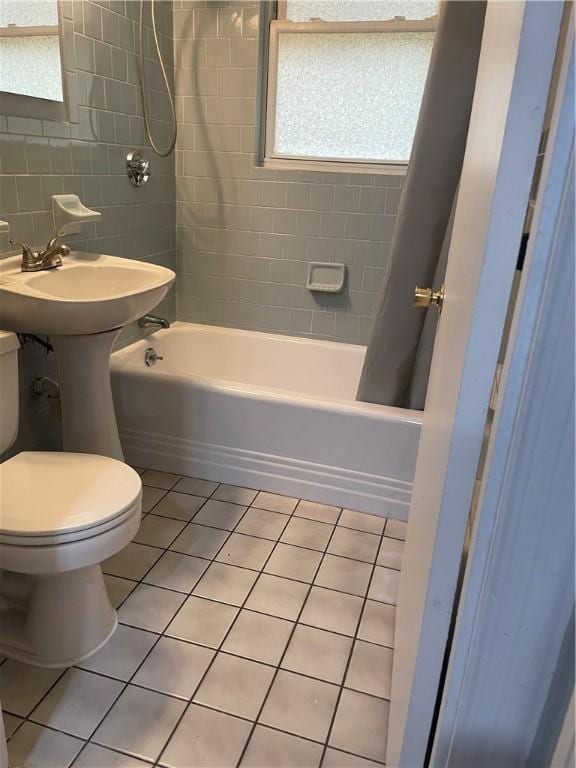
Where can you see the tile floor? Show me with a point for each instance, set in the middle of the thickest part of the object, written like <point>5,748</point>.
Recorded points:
<point>255,630</point>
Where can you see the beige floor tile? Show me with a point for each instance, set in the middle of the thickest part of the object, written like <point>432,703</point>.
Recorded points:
<point>198,740</point>
<point>235,685</point>
<point>323,513</point>
<point>176,571</point>
<point>300,705</point>
<point>196,487</point>
<point>200,540</point>
<point>180,506</point>
<point>150,608</point>
<point>174,667</point>
<point>262,523</point>
<point>158,531</point>
<point>395,529</point>
<point>336,759</point>
<point>384,585</point>
<point>22,686</point>
<point>268,748</point>
<point>132,562</point>
<point>36,747</point>
<point>331,610</point>
<point>355,544</point>
<point>361,521</point>
<point>277,597</point>
<point>294,562</point>
<point>77,703</point>
<point>317,653</point>
<point>118,589</point>
<point>245,551</point>
<point>202,621</point>
<point>274,502</point>
<point>377,625</point>
<point>370,669</point>
<point>139,723</point>
<point>307,533</point>
<point>122,654</point>
<point>226,583</point>
<point>259,637</point>
<point>361,725</point>
<point>11,722</point>
<point>235,494</point>
<point>151,497</point>
<point>165,480</point>
<point>220,514</point>
<point>344,574</point>
<point>93,756</point>
<point>390,554</point>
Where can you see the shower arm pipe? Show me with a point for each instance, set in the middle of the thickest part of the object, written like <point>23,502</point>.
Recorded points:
<point>142,78</point>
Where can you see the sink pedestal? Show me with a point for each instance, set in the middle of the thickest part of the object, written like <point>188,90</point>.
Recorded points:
<point>88,418</point>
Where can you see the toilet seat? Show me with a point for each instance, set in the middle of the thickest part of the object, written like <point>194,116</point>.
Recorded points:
<point>57,498</point>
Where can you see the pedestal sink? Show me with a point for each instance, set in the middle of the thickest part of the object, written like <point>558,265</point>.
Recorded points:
<point>82,306</point>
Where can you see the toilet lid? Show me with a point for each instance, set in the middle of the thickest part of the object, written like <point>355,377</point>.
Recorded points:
<point>50,493</point>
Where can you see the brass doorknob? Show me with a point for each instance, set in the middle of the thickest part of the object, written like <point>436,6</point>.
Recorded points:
<point>424,297</point>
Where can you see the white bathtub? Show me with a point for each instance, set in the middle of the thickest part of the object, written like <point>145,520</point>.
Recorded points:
<point>270,412</point>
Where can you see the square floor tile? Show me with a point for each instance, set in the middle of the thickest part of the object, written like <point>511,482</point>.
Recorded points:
<point>139,723</point>
<point>361,725</point>
<point>196,486</point>
<point>174,667</point>
<point>336,759</point>
<point>355,544</point>
<point>258,637</point>
<point>165,480</point>
<point>132,562</point>
<point>300,705</point>
<point>262,523</point>
<point>235,685</point>
<point>277,597</point>
<point>331,610</point>
<point>323,513</point>
<point>200,540</point>
<point>343,574</point>
<point>180,506</point>
<point>268,748</point>
<point>11,722</point>
<point>122,654</point>
<point>245,551</point>
<point>93,756</point>
<point>370,669</point>
<point>235,494</point>
<point>307,533</point>
<point>77,703</point>
<point>384,585</point>
<point>36,747</point>
<point>377,625</point>
<point>202,621</point>
<point>274,502</point>
<point>226,583</point>
<point>294,562</point>
<point>317,653</point>
<point>390,554</point>
<point>396,529</point>
<point>176,571</point>
<point>220,514</point>
<point>151,497</point>
<point>361,521</point>
<point>158,531</point>
<point>198,740</point>
<point>22,685</point>
<point>118,589</point>
<point>150,608</point>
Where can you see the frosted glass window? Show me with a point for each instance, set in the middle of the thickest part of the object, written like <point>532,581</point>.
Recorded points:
<point>30,66</point>
<point>28,13</point>
<point>359,10</point>
<point>349,96</point>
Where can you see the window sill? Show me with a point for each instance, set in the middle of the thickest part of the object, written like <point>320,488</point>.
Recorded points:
<point>334,166</point>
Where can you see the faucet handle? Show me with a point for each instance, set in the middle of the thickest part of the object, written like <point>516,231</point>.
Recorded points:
<point>28,254</point>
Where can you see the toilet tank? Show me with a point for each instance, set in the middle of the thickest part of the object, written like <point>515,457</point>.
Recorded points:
<point>9,404</point>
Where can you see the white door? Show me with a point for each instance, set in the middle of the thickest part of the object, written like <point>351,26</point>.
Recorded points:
<point>519,45</point>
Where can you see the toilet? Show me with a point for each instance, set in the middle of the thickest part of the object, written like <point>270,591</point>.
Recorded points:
<point>61,516</point>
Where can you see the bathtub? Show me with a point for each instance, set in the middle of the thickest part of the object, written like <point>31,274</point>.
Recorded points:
<point>270,412</point>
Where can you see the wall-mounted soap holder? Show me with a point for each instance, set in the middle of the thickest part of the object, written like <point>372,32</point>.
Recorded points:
<point>70,213</point>
<point>325,277</point>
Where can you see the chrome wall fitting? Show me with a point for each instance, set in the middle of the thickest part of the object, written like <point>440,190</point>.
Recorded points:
<point>138,168</point>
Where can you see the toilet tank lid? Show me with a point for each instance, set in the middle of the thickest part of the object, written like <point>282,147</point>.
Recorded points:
<point>8,342</point>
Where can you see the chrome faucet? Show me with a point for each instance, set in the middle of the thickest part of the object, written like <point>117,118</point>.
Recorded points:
<point>148,320</point>
<point>49,258</point>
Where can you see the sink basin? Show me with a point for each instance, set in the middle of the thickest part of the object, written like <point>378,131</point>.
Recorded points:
<point>89,293</point>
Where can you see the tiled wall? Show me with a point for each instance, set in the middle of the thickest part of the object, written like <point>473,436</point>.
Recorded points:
<point>87,156</point>
<point>246,234</point>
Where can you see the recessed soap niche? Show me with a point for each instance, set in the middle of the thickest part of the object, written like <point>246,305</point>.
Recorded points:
<point>325,277</point>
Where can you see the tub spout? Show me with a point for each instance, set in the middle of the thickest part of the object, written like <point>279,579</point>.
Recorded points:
<point>148,320</point>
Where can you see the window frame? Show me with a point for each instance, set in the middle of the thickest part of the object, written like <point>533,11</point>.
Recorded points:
<point>282,25</point>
